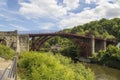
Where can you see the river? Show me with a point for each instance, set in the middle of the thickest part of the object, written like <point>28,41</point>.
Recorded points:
<point>104,73</point>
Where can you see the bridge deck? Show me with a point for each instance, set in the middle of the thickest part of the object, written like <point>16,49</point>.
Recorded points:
<point>69,35</point>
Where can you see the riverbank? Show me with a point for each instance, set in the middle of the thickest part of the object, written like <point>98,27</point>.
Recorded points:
<point>109,57</point>
<point>104,72</point>
<point>111,63</point>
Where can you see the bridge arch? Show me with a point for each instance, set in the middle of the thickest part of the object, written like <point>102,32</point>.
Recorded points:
<point>93,44</point>
<point>81,41</point>
<point>3,42</point>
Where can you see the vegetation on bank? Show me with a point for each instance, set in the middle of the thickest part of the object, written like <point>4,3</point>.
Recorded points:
<point>46,66</point>
<point>109,57</point>
<point>6,52</point>
<point>103,28</point>
<point>66,47</point>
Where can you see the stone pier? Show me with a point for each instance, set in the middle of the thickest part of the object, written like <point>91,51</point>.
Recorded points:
<point>96,45</point>
<point>10,39</point>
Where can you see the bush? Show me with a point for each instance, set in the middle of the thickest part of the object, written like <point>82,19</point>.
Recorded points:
<point>63,59</point>
<point>110,57</point>
<point>81,73</point>
<point>6,52</point>
<point>70,51</point>
<point>43,66</point>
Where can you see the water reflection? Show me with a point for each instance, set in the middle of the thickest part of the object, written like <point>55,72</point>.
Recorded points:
<point>104,73</point>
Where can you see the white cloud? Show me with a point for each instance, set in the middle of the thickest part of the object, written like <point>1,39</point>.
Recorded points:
<point>78,19</point>
<point>8,17</point>
<point>47,26</point>
<point>3,3</point>
<point>89,1</point>
<point>46,8</point>
<point>71,4</point>
<point>1,25</point>
<point>1,15</point>
<point>42,8</point>
<point>110,10</point>
<point>50,9</point>
<point>20,28</point>
<point>104,9</point>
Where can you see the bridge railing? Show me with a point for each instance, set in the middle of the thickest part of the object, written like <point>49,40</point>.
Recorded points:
<point>4,74</point>
<point>13,70</point>
<point>10,74</point>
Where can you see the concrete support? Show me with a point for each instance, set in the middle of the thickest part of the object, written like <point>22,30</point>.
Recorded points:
<point>18,45</point>
<point>24,42</point>
<point>92,45</point>
<point>103,44</point>
<point>32,43</point>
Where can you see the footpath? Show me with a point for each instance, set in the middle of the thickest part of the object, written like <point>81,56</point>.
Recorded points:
<point>4,65</point>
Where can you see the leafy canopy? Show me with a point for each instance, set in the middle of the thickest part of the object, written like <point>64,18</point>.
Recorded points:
<point>46,66</point>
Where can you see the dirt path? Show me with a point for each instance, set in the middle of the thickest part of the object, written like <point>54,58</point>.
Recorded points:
<point>3,65</point>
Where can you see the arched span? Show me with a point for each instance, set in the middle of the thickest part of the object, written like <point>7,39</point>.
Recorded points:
<point>89,43</point>
<point>3,42</point>
<point>39,39</point>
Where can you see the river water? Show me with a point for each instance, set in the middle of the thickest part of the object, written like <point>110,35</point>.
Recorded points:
<point>104,73</point>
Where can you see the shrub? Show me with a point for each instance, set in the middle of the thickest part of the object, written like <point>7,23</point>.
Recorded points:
<point>110,57</point>
<point>6,52</point>
<point>63,59</point>
<point>70,51</point>
<point>43,66</point>
<point>81,73</point>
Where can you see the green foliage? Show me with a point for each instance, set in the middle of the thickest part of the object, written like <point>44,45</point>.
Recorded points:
<point>70,51</point>
<point>6,52</point>
<point>81,73</point>
<point>110,57</point>
<point>59,41</point>
<point>103,28</point>
<point>113,52</point>
<point>46,66</point>
<point>67,47</point>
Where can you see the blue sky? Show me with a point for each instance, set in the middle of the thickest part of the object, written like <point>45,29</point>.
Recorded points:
<point>27,15</point>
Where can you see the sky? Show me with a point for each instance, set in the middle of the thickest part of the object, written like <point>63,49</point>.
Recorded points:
<point>28,15</point>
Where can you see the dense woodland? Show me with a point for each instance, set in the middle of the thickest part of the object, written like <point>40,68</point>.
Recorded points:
<point>103,28</point>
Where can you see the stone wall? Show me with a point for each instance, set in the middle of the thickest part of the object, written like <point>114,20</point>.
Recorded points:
<point>10,37</point>
<point>24,42</point>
